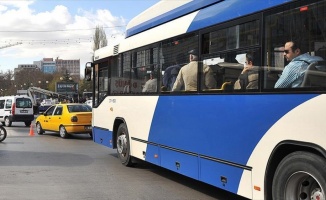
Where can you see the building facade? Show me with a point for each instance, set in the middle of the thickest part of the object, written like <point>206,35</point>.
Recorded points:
<point>70,66</point>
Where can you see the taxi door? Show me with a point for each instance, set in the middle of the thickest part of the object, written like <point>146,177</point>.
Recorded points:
<point>56,119</point>
<point>46,119</point>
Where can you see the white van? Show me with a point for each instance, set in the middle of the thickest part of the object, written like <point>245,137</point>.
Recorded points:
<point>16,109</point>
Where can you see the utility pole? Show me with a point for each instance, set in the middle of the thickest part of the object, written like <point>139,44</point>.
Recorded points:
<point>10,45</point>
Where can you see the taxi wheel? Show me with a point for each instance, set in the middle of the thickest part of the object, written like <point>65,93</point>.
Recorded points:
<point>3,133</point>
<point>39,129</point>
<point>7,122</point>
<point>63,132</point>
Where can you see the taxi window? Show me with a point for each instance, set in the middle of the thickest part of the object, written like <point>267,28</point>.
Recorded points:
<point>58,111</point>
<point>50,110</point>
<point>79,108</point>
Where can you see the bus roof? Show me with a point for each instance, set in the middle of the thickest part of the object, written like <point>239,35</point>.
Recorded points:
<point>211,12</point>
<point>180,17</point>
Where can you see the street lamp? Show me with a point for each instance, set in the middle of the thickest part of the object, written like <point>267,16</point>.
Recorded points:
<point>66,78</point>
<point>43,86</point>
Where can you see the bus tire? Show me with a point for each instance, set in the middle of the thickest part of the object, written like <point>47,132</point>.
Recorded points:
<point>123,145</point>
<point>7,122</point>
<point>300,174</point>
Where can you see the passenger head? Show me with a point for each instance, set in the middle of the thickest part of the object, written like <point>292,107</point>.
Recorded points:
<point>193,55</point>
<point>249,59</point>
<point>292,49</point>
<point>152,75</point>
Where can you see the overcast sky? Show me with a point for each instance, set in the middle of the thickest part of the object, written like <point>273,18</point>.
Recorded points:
<point>60,28</point>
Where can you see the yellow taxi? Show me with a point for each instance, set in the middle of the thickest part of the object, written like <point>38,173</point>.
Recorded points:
<point>70,118</point>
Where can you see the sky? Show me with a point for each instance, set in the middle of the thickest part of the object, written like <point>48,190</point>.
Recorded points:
<point>31,30</point>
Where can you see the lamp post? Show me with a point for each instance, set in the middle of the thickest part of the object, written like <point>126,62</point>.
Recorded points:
<point>43,84</point>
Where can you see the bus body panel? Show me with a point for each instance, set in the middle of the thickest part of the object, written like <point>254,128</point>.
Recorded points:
<point>102,136</point>
<point>187,22</point>
<point>162,12</point>
<point>228,10</point>
<point>208,16</point>
<point>159,33</point>
<point>181,146</point>
<point>187,117</point>
<point>304,123</point>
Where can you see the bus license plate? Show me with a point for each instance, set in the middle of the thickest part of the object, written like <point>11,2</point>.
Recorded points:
<point>23,111</point>
<point>88,127</point>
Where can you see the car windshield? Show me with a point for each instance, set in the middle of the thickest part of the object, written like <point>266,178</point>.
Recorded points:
<point>79,108</point>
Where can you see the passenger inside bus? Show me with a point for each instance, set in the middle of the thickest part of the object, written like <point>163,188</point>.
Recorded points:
<point>151,83</point>
<point>248,79</point>
<point>171,73</point>
<point>187,76</point>
<point>293,73</point>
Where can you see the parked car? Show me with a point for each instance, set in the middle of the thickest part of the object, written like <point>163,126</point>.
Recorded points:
<point>71,118</point>
<point>45,104</point>
<point>16,109</point>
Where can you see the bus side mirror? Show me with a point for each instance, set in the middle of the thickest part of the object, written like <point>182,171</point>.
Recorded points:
<point>88,71</point>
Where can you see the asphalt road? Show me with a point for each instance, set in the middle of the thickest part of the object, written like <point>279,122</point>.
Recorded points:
<point>48,167</point>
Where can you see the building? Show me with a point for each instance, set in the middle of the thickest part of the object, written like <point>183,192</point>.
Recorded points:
<point>26,67</point>
<point>70,66</point>
<point>48,66</point>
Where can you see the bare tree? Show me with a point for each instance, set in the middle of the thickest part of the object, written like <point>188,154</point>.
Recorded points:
<point>99,38</point>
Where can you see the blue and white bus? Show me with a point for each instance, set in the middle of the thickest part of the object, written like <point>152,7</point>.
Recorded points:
<point>259,143</point>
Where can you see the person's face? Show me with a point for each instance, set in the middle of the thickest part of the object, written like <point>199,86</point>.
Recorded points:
<point>289,54</point>
<point>248,63</point>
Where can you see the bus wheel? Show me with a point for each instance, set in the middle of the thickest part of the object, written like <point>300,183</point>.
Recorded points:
<point>300,175</point>
<point>7,122</point>
<point>123,145</point>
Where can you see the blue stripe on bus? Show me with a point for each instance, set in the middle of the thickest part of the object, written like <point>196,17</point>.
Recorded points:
<point>221,11</point>
<point>102,136</point>
<point>228,10</point>
<point>168,16</point>
<point>212,125</point>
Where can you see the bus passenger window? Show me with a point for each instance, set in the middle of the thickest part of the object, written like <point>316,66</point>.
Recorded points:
<point>248,78</point>
<point>187,76</point>
<point>151,83</point>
